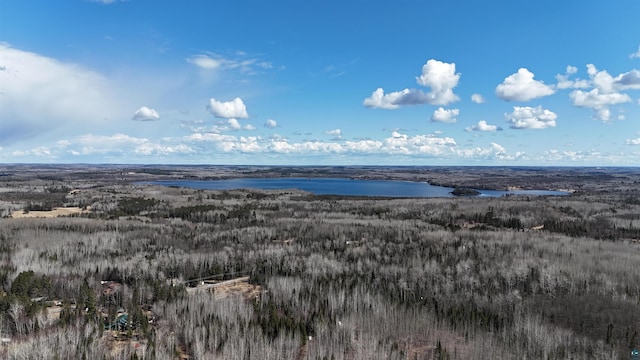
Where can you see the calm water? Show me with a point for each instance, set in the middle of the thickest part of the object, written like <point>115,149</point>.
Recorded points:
<point>341,186</point>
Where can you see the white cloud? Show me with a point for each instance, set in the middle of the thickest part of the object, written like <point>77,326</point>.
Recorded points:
<point>117,144</point>
<point>445,115</point>
<point>122,146</point>
<point>419,144</point>
<point>636,54</point>
<point>606,83</point>
<point>477,98</point>
<point>598,101</point>
<point>394,100</point>
<point>396,144</point>
<point>555,155</point>
<point>149,149</point>
<point>234,124</point>
<point>602,114</point>
<point>627,81</point>
<point>635,141</point>
<point>526,117</point>
<point>336,133</point>
<point>229,125</point>
<point>40,151</point>
<point>198,146</point>
<point>483,126</point>
<point>441,77</point>
<point>565,83</point>
<point>605,92</point>
<point>498,148</point>
<point>205,62</point>
<point>146,114</point>
<point>39,94</point>
<point>270,123</point>
<point>437,75</point>
<point>522,87</point>
<point>230,109</point>
<point>238,61</point>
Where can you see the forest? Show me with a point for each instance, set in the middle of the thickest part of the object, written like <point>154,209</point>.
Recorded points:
<point>95,264</point>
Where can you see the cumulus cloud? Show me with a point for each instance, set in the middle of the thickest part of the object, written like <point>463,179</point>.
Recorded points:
<point>498,148</point>
<point>598,101</point>
<point>145,114</point>
<point>606,83</point>
<point>483,126</point>
<point>445,115</point>
<point>394,100</point>
<point>526,117</point>
<point>336,133</point>
<point>230,109</point>
<point>40,93</point>
<point>628,80</point>
<point>270,123</point>
<point>565,83</point>
<point>397,144</point>
<point>636,54</point>
<point>202,145</point>
<point>439,76</point>
<point>521,86</point>
<point>635,141</point>
<point>477,98</point>
<point>234,124</point>
<point>605,92</point>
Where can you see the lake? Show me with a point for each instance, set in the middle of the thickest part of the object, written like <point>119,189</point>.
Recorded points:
<point>341,186</point>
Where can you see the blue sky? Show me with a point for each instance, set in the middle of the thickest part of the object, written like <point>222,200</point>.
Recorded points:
<point>320,82</point>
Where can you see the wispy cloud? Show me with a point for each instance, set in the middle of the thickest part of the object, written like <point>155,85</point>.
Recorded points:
<point>40,93</point>
<point>478,99</point>
<point>238,61</point>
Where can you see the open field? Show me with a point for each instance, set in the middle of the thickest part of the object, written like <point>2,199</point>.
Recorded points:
<point>66,211</point>
<point>299,276</point>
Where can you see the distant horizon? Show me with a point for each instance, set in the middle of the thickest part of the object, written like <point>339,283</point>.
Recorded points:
<point>301,82</point>
<point>324,165</point>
